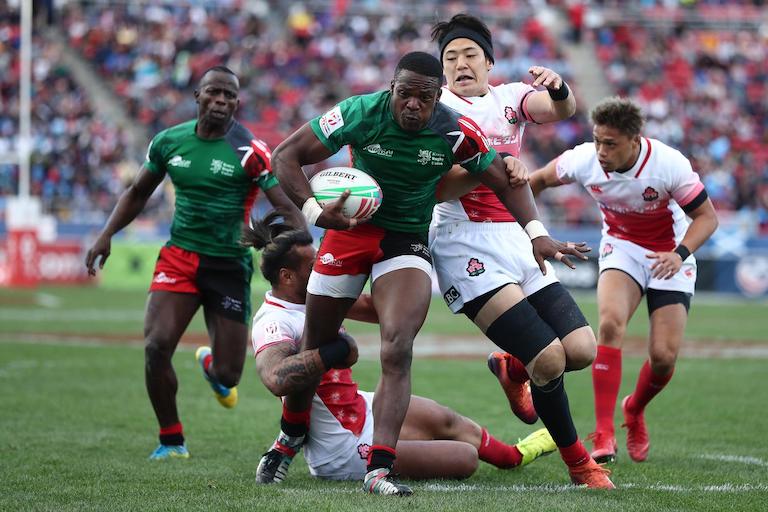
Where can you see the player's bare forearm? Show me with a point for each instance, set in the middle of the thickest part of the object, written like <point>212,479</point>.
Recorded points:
<point>703,225</point>
<point>131,202</point>
<point>518,200</point>
<point>543,109</point>
<point>302,147</point>
<point>545,177</point>
<point>456,183</point>
<point>285,207</point>
<point>363,311</point>
<point>285,372</point>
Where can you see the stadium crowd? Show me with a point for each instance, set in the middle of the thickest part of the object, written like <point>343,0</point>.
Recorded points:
<point>79,163</point>
<point>701,89</point>
<point>703,92</point>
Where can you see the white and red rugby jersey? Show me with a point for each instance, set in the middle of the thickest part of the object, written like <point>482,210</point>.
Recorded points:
<point>642,205</point>
<point>337,406</point>
<point>502,115</point>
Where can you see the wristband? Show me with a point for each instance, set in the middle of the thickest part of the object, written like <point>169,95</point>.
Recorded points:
<point>560,94</point>
<point>535,229</point>
<point>311,210</point>
<point>504,154</point>
<point>683,251</point>
<point>334,353</point>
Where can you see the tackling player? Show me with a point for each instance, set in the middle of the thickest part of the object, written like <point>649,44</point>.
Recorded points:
<point>435,441</point>
<point>644,189</point>
<point>484,259</point>
<point>217,167</point>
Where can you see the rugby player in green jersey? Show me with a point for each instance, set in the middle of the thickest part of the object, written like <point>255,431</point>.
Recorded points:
<point>217,168</point>
<point>407,141</point>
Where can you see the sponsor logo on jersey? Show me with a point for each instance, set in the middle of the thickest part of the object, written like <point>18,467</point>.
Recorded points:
<point>222,167</point>
<point>363,450</point>
<point>162,278</point>
<point>272,333</point>
<point>451,295</point>
<point>419,247</point>
<point>607,250</point>
<point>330,260</point>
<point>178,161</point>
<point>376,149</point>
<point>331,121</point>
<point>231,304</point>
<point>429,157</point>
<point>475,267</point>
<point>689,271</point>
<point>650,194</point>
<point>596,189</point>
<point>510,115</point>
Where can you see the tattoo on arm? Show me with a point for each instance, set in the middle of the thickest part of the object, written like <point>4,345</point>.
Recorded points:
<point>283,371</point>
<point>297,372</point>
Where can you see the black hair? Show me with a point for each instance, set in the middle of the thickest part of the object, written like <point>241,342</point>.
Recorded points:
<point>276,241</point>
<point>463,25</point>
<point>218,69</point>
<point>421,63</point>
<point>620,113</point>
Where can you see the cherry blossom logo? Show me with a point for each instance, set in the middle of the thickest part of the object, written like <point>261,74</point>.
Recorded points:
<point>650,194</point>
<point>475,267</point>
<point>510,114</point>
<point>364,449</point>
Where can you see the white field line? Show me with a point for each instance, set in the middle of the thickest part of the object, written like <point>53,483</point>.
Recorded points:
<point>425,345</point>
<point>547,488</point>
<point>742,459</point>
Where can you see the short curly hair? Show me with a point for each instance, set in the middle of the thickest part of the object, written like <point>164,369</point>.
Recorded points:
<point>620,113</point>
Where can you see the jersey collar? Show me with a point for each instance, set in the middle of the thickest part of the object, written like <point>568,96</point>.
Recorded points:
<point>280,303</point>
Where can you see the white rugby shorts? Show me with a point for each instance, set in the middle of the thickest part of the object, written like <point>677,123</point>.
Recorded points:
<point>629,257</point>
<point>472,258</point>
<point>350,464</point>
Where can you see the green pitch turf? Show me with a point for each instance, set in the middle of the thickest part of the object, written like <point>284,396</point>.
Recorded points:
<point>76,430</point>
<point>98,311</point>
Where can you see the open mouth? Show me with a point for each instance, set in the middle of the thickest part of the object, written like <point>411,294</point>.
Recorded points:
<point>218,114</point>
<point>464,79</point>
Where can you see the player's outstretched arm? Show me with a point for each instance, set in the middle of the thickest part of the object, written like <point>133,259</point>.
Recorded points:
<point>545,177</point>
<point>703,225</point>
<point>128,206</point>
<point>303,147</point>
<point>284,371</point>
<point>553,104</point>
<point>519,202</point>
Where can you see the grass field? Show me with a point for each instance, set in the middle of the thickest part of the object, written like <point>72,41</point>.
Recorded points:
<point>77,427</point>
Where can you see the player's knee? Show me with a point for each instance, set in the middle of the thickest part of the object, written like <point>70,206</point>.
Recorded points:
<point>465,462</point>
<point>611,331</point>
<point>663,360</point>
<point>157,353</point>
<point>396,354</point>
<point>580,348</point>
<point>549,364</point>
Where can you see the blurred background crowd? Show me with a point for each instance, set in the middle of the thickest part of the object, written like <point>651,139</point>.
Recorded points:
<point>107,75</point>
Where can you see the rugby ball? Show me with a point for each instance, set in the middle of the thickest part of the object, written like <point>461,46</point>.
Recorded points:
<point>364,199</point>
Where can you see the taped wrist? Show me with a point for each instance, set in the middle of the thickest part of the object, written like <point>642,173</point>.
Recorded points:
<point>683,251</point>
<point>334,353</point>
<point>560,94</point>
<point>311,210</point>
<point>535,229</point>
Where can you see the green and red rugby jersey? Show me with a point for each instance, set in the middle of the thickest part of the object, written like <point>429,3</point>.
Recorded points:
<point>407,165</point>
<point>216,182</point>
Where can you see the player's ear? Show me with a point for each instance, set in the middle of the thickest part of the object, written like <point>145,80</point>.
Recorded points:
<point>392,85</point>
<point>439,93</point>
<point>488,64</point>
<point>197,95</point>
